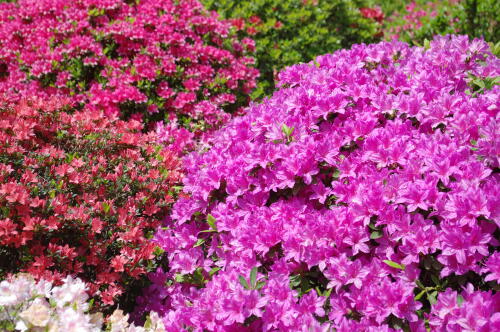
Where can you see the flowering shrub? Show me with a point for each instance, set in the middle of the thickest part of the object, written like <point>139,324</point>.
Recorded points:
<point>291,31</point>
<point>469,311</point>
<point>27,304</point>
<point>80,194</point>
<point>362,196</point>
<point>32,305</point>
<point>153,59</point>
<point>421,20</point>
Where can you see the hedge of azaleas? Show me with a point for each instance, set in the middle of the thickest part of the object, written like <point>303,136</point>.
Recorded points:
<point>362,196</point>
<point>81,194</point>
<point>155,60</point>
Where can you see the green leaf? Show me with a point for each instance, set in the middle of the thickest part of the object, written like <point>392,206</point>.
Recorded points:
<point>394,264</point>
<point>91,303</point>
<point>427,44</point>
<point>460,300</point>
<point>432,297</point>
<point>214,271</point>
<point>105,207</point>
<point>260,284</point>
<point>375,235</point>
<point>243,282</point>
<point>158,251</point>
<point>435,279</point>
<point>288,131</point>
<point>419,295</point>
<point>479,83</point>
<point>295,280</point>
<point>253,277</point>
<point>148,324</point>
<point>211,222</point>
<point>96,12</point>
<point>199,243</point>
<point>495,48</point>
<point>10,326</point>
<point>419,284</point>
<point>208,231</point>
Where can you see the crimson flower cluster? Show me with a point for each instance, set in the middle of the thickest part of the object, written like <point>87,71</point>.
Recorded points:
<point>363,196</point>
<point>151,59</point>
<point>80,194</point>
<point>374,13</point>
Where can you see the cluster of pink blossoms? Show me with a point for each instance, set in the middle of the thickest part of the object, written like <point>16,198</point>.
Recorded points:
<point>151,59</point>
<point>362,196</point>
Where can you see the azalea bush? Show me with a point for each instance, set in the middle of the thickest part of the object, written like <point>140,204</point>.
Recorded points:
<point>80,194</point>
<point>292,31</point>
<point>363,196</point>
<point>29,305</point>
<point>421,20</point>
<point>150,60</point>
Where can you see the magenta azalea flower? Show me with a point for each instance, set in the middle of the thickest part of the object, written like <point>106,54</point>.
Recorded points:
<point>353,199</point>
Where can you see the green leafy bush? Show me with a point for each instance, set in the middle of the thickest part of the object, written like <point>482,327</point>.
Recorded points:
<point>481,19</point>
<point>390,6</point>
<point>292,31</point>
<point>421,20</point>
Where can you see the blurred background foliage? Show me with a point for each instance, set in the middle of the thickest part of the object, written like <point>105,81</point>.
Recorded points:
<point>291,31</point>
<point>415,21</point>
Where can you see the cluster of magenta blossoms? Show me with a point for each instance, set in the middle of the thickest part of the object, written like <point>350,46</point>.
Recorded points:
<point>155,60</point>
<point>362,196</point>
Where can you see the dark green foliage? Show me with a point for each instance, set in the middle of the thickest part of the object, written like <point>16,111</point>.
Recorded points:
<point>291,31</point>
<point>482,19</point>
